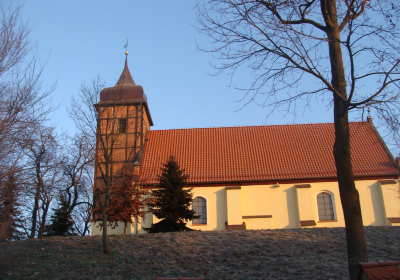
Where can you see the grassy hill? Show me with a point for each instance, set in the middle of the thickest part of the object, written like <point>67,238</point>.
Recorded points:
<point>261,254</point>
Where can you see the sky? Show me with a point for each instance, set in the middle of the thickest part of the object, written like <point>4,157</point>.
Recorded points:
<point>80,40</point>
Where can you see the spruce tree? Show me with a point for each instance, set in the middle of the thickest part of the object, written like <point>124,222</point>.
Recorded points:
<point>172,202</point>
<point>61,221</point>
<point>10,214</point>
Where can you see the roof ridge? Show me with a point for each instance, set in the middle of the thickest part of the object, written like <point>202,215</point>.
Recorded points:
<point>249,126</point>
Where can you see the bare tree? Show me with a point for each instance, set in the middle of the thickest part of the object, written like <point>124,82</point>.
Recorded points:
<point>52,170</point>
<point>390,120</point>
<point>83,111</point>
<point>83,212</point>
<point>78,169</point>
<point>24,103</point>
<point>98,123</point>
<point>348,47</point>
<point>15,43</point>
<point>22,99</point>
<point>107,122</point>
<point>85,116</point>
<point>42,175</point>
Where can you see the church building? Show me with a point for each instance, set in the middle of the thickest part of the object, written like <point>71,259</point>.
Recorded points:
<point>253,177</point>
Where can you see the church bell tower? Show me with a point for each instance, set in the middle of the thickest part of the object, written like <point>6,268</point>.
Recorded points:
<point>123,121</point>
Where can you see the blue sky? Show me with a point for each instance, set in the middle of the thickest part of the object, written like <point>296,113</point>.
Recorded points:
<point>79,40</point>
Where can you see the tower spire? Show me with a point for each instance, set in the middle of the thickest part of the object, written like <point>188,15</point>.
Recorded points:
<point>126,77</point>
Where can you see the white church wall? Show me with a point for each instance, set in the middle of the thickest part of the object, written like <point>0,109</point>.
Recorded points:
<point>216,200</point>
<point>391,202</point>
<point>305,203</point>
<point>234,205</point>
<point>372,208</point>
<point>284,206</point>
<point>96,230</point>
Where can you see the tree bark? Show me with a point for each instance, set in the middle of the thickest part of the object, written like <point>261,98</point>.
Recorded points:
<point>126,228</point>
<point>86,228</point>
<point>44,217</point>
<point>106,245</point>
<point>34,214</point>
<point>356,246</point>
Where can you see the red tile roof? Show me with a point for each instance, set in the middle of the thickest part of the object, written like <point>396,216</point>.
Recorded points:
<point>263,153</point>
<point>379,271</point>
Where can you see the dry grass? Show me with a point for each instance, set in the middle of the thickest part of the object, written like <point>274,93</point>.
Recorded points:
<point>261,254</point>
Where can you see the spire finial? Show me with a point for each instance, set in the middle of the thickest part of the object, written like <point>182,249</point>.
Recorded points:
<point>369,118</point>
<point>126,53</point>
<point>126,59</point>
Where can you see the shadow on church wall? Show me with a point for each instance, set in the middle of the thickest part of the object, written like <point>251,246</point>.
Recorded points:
<point>292,208</point>
<point>220,207</point>
<point>378,208</point>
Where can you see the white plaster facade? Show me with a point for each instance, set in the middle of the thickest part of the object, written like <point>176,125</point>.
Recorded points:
<point>286,205</point>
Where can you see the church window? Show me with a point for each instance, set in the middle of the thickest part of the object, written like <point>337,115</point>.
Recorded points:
<point>200,208</point>
<point>325,207</point>
<point>122,126</point>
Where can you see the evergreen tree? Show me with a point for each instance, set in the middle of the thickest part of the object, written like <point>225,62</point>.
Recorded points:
<point>172,202</point>
<point>61,221</point>
<point>9,212</point>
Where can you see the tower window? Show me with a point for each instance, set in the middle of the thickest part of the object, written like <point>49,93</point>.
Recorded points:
<point>122,126</point>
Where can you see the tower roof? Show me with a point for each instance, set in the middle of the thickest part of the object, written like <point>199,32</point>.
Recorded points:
<point>125,92</point>
<point>126,77</point>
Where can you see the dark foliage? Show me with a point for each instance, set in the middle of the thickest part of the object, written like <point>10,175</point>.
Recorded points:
<point>61,221</point>
<point>9,211</point>
<point>172,202</point>
<point>128,203</point>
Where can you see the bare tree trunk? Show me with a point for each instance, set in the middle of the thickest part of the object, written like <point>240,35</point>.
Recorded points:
<point>126,228</point>
<point>34,214</point>
<point>86,227</point>
<point>44,217</point>
<point>106,245</point>
<point>356,246</point>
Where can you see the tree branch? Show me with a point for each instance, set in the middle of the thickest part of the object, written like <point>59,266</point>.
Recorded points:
<point>272,8</point>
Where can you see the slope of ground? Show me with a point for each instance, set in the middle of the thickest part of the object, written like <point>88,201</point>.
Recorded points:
<point>253,254</point>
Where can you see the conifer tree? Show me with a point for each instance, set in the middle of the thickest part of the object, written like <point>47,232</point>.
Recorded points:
<point>10,214</point>
<point>61,221</point>
<point>172,202</point>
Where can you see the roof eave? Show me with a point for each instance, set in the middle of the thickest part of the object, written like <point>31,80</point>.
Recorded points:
<point>283,181</point>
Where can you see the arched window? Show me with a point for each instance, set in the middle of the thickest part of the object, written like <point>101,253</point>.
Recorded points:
<point>325,207</point>
<point>200,208</point>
